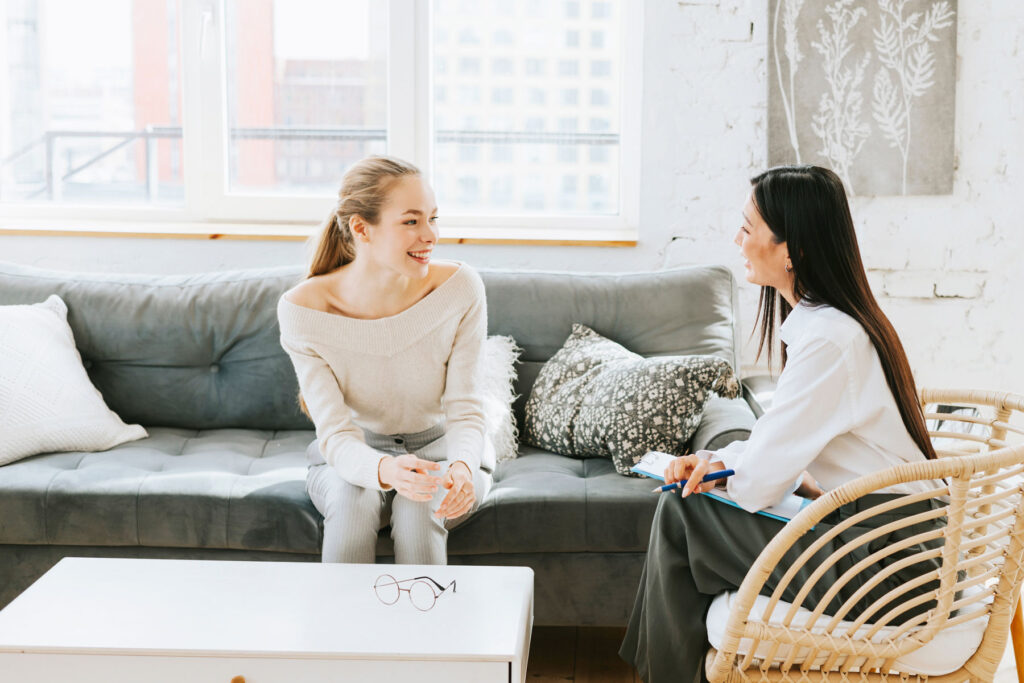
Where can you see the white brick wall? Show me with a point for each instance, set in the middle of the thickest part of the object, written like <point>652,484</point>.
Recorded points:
<point>946,269</point>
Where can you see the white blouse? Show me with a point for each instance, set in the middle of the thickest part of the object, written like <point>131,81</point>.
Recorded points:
<point>832,414</point>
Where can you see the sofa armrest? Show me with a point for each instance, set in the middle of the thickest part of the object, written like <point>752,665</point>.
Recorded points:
<point>758,391</point>
<point>724,421</point>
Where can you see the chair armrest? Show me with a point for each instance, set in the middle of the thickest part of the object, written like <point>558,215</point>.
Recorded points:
<point>758,391</point>
<point>724,421</point>
<point>955,501</point>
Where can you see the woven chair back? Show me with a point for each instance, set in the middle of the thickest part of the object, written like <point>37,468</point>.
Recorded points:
<point>964,547</point>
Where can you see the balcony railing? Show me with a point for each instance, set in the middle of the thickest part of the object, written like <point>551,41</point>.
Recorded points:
<point>55,180</point>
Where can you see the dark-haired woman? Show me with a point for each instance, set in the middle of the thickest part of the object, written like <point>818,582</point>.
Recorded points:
<point>386,344</point>
<point>845,406</point>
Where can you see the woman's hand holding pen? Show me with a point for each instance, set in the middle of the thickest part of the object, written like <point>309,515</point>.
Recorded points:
<point>692,468</point>
<point>407,474</point>
<point>461,496</point>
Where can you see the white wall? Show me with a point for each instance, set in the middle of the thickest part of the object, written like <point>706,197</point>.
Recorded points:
<point>946,268</point>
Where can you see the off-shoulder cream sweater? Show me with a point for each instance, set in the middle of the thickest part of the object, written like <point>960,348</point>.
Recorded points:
<point>396,375</point>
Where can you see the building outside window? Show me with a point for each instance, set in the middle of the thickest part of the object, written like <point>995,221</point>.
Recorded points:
<point>114,120</point>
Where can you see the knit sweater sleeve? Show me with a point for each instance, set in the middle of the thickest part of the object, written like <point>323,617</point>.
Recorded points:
<point>463,405</point>
<point>340,439</point>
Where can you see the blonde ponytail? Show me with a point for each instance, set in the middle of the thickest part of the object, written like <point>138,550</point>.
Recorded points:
<point>364,190</point>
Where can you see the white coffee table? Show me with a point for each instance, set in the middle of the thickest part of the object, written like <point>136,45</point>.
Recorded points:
<point>105,620</point>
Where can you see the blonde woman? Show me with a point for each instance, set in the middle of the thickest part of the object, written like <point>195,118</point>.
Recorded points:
<point>386,344</point>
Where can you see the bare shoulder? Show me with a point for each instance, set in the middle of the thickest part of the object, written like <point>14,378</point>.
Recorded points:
<point>442,270</point>
<point>308,294</point>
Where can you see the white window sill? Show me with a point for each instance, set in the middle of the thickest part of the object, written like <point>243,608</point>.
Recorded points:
<point>299,232</point>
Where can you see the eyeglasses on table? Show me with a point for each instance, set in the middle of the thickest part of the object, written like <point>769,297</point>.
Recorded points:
<point>423,591</point>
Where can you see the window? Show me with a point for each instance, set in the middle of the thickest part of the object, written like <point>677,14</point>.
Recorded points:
<point>502,191</point>
<point>552,128</point>
<point>468,36</point>
<point>568,67</point>
<point>501,96</point>
<point>501,36</point>
<point>259,118</point>
<point>534,198</point>
<point>504,8</point>
<point>469,66</point>
<point>286,111</point>
<point>567,196</point>
<point>501,67</point>
<point>601,68</point>
<point>469,190</point>
<point>86,128</point>
<point>469,95</point>
<point>503,154</point>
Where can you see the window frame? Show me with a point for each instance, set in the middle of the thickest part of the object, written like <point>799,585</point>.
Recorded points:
<point>211,211</point>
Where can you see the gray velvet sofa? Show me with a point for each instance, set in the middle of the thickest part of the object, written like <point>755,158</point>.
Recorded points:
<point>196,360</point>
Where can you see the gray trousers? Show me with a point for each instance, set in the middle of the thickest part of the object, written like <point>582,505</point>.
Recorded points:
<point>700,547</point>
<point>354,515</point>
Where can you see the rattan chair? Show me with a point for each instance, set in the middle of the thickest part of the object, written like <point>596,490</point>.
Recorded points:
<point>980,564</point>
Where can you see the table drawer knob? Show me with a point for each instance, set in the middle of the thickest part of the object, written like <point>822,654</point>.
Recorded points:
<point>238,679</point>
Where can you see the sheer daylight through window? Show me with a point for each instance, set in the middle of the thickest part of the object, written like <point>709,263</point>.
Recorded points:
<point>306,99</point>
<point>177,115</point>
<point>526,106</point>
<point>92,113</point>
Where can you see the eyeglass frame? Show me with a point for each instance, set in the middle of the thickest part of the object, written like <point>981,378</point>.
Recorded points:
<point>440,590</point>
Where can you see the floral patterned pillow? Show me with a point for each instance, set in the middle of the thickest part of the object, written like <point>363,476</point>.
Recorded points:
<point>595,398</point>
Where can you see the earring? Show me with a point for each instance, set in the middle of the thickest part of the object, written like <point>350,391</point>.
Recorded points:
<point>789,268</point>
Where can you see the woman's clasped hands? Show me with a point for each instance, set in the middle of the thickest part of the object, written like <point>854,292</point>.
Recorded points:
<point>461,495</point>
<point>410,476</point>
<point>692,468</point>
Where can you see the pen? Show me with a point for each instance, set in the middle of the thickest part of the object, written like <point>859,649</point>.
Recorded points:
<point>720,474</point>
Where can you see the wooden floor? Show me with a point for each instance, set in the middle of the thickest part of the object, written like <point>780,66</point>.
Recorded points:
<point>567,653</point>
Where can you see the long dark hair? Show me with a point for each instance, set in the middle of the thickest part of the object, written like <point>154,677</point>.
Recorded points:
<point>806,207</point>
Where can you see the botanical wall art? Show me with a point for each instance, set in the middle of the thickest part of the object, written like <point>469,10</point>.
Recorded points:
<point>866,88</point>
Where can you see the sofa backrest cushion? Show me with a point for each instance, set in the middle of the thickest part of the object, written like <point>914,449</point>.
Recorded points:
<point>683,311</point>
<point>202,351</point>
<point>195,351</point>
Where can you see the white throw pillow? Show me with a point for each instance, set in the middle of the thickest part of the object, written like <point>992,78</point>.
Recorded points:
<point>500,356</point>
<point>47,402</point>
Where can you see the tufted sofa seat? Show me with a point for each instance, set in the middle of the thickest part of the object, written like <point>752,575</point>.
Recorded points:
<point>196,360</point>
<point>192,488</point>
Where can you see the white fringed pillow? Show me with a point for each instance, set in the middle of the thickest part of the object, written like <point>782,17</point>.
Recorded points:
<point>47,402</point>
<point>499,372</point>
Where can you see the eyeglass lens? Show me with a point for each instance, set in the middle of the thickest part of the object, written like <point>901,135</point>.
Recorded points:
<point>387,589</point>
<point>422,595</point>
